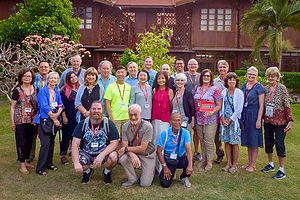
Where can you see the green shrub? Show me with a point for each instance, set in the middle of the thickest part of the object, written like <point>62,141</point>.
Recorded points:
<point>291,80</point>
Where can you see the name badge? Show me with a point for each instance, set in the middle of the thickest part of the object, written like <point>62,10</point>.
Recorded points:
<point>147,105</point>
<point>94,145</point>
<point>28,110</point>
<point>269,109</point>
<point>184,124</point>
<point>246,104</point>
<point>173,156</point>
<point>122,104</point>
<point>53,104</point>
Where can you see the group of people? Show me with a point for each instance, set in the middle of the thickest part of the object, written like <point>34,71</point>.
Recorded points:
<point>148,120</point>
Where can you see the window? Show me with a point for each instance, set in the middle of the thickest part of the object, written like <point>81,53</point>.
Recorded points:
<point>85,14</point>
<point>216,19</point>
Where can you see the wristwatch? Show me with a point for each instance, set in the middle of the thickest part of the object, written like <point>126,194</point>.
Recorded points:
<point>164,164</point>
<point>125,149</point>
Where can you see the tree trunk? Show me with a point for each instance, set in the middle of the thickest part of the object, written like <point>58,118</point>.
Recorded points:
<point>280,58</point>
<point>280,51</point>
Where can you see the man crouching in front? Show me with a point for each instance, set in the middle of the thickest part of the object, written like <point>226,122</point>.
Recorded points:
<point>176,143</point>
<point>95,140</point>
<point>137,150</point>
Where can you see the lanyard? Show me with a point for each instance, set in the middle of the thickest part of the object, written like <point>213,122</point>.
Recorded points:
<point>133,130</point>
<point>52,95</point>
<point>203,92</point>
<point>145,93</point>
<point>177,97</point>
<point>121,95</point>
<point>193,83</point>
<point>94,131</point>
<point>271,94</point>
<point>175,142</point>
<point>247,93</point>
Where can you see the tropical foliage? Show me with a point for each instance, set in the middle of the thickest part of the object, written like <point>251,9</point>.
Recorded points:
<point>266,21</point>
<point>153,43</point>
<point>40,17</point>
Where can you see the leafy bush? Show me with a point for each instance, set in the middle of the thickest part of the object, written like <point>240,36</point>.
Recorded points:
<point>154,44</point>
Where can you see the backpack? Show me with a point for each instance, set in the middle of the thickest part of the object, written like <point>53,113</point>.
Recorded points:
<point>105,125</point>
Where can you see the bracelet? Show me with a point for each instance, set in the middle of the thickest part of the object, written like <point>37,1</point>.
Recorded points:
<point>164,164</point>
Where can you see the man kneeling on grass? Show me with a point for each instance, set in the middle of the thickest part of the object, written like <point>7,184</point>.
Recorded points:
<point>137,150</point>
<point>176,143</point>
<point>95,140</point>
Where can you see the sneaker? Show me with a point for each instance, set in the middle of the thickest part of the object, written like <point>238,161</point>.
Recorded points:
<point>87,176</point>
<point>129,183</point>
<point>197,156</point>
<point>279,175</point>
<point>185,181</point>
<point>268,168</point>
<point>107,178</point>
<point>64,160</point>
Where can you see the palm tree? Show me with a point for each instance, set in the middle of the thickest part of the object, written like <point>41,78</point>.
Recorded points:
<point>267,20</point>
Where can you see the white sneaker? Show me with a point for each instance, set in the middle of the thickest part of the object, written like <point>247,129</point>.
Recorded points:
<point>185,181</point>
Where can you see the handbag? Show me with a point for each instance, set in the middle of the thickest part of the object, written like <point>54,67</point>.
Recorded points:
<point>167,158</point>
<point>48,126</point>
<point>241,122</point>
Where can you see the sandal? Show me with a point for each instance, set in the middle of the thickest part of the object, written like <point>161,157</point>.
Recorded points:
<point>226,168</point>
<point>245,166</point>
<point>232,170</point>
<point>41,172</point>
<point>52,167</point>
<point>250,169</point>
<point>23,171</point>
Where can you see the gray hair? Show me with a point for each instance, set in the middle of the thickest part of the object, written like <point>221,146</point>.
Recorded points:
<point>135,107</point>
<point>175,113</point>
<point>273,71</point>
<point>180,76</point>
<point>252,68</point>
<point>50,74</point>
<point>193,59</point>
<point>77,55</point>
<point>223,62</point>
<point>105,62</point>
<point>132,63</point>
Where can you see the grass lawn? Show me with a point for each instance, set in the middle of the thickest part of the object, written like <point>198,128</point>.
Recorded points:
<point>65,183</point>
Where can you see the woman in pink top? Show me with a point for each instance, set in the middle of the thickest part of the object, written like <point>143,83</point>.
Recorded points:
<point>161,107</point>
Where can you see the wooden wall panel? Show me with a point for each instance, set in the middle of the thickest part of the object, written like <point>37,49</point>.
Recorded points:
<point>214,38</point>
<point>5,7</point>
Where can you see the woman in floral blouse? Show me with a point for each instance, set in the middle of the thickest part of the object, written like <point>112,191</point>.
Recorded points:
<point>278,120</point>
<point>205,95</point>
<point>22,113</point>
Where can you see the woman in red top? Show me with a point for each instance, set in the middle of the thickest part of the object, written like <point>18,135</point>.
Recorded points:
<point>161,107</point>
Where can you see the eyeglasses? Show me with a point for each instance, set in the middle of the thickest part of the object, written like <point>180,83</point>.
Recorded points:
<point>251,74</point>
<point>206,75</point>
<point>27,76</point>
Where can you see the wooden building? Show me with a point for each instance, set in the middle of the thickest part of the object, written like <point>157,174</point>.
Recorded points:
<point>202,29</point>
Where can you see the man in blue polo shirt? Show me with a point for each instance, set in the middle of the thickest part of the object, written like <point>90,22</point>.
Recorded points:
<point>105,77</point>
<point>131,79</point>
<point>176,143</point>
<point>76,63</point>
